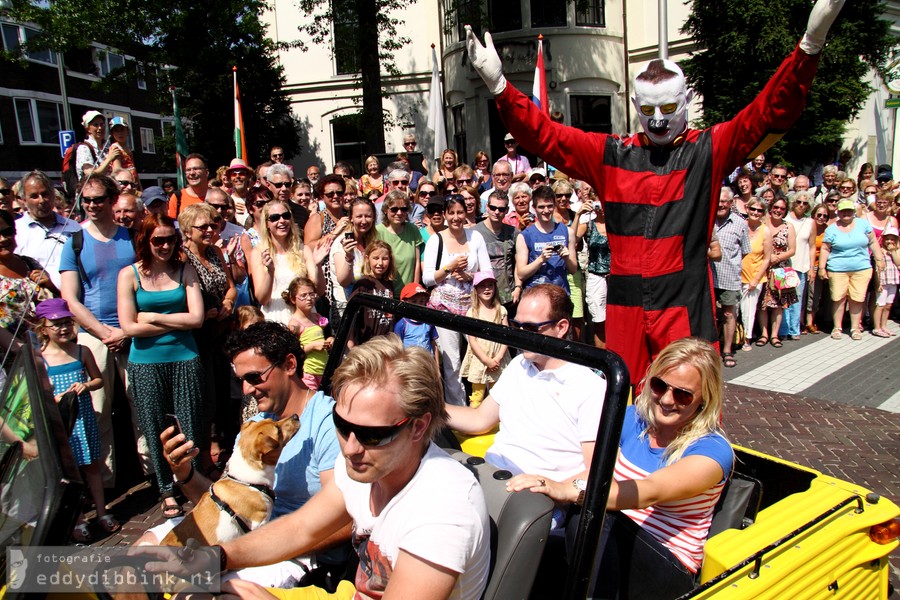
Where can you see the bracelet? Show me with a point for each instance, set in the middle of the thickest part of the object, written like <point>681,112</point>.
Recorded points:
<point>189,477</point>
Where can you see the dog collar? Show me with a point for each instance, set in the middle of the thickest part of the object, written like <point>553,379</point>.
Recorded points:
<point>224,507</point>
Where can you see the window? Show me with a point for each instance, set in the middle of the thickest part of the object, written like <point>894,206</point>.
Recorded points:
<point>39,121</point>
<point>109,62</point>
<point>346,137</point>
<point>468,12</point>
<point>459,131</point>
<point>590,13</point>
<point>591,113</point>
<point>148,142</point>
<point>505,15</point>
<point>548,13</point>
<point>15,35</point>
<point>346,31</point>
<point>140,77</point>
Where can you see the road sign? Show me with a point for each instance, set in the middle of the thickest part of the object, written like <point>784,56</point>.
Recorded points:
<point>66,139</point>
<point>892,103</point>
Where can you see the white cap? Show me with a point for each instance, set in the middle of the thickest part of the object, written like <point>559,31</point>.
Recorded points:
<point>89,116</point>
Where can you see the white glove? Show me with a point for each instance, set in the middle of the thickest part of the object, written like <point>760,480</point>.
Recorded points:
<point>486,61</point>
<point>820,19</point>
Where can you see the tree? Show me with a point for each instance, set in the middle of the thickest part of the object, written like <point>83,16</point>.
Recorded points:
<point>743,44</point>
<point>194,46</point>
<point>363,37</point>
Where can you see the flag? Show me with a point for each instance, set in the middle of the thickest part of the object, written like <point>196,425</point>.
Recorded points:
<point>436,109</point>
<point>181,147</point>
<point>240,143</point>
<point>539,89</point>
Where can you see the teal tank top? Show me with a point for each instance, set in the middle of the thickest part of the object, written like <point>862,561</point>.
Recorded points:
<point>173,346</point>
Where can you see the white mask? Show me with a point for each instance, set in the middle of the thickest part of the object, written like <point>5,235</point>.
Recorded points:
<point>662,106</point>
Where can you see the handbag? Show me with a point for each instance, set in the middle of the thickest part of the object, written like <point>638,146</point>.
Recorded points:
<point>784,278</point>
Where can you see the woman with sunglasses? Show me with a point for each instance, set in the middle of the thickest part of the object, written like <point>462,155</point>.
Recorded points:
<point>755,265</point>
<point>784,245</point>
<point>160,303</point>
<point>425,192</point>
<point>403,237</point>
<point>348,254</point>
<point>791,324</point>
<point>846,187</point>
<point>199,225</point>
<point>279,258</point>
<point>452,257</point>
<point>673,462</point>
<point>473,205</point>
<point>816,284</point>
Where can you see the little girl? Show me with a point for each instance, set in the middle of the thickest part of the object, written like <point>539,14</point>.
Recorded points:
<point>310,327</point>
<point>889,279</point>
<point>378,279</point>
<point>484,360</point>
<point>72,368</point>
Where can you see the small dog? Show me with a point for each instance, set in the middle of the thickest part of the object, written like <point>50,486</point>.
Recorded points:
<point>242,499</point>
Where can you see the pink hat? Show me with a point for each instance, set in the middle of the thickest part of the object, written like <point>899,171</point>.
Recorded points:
<point>236,165</point>
<point>482,276</point>
<point>891,230</point>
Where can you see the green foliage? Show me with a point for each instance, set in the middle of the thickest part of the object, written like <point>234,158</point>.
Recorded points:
<point>193,46</point>
<point>744,43</point>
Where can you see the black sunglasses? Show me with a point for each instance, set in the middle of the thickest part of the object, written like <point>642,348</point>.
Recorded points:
<point>531,327</point>
<point>280,184</point>
<point>681,396</point>
<point>274,218</point>
<point>158,240</point>
<point>332,194</point>
<point>396,209</point>
<point>497,208</point>
<point>255,377</point>
<point>370,437</point>
<point>8,232</point>
<point>125,183</point>
<point>93,199</point>
<point>427,194</point>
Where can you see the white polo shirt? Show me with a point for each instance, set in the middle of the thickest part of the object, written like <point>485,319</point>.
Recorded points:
<point>42,244</point>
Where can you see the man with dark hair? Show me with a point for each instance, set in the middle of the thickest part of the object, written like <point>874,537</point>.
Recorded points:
<point>268,361</point>
<point>89,274</point>
<point>549,409</point>
<point>500,240</point>
<point>196,172</point>
<point>659,207</point>
<point>545,250</point>
<point>420,524</point>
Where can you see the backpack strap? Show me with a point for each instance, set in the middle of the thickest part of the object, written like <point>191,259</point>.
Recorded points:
<point>77,247</point>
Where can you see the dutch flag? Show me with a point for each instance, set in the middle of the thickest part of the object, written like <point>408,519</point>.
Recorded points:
<point>539,89</point>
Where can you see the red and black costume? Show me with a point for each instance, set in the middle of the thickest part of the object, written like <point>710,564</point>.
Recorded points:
<point>660,204</point>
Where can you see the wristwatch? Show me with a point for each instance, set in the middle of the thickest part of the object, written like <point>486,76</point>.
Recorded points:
<point>581,486</point>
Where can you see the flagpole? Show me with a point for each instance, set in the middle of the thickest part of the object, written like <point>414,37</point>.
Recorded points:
<point>240,142</point>
<point>180,142</point>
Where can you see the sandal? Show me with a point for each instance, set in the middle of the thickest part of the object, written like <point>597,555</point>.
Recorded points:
<point>856,335</point>
<point>762,341</point>
<point>108,523</point>
<point>882,333</point>
<point>728,360</point>
<point>812,329</point>
<point>171,511</point>
<point>82,533</point>
<point>836,334</point>
<point>776,343</point>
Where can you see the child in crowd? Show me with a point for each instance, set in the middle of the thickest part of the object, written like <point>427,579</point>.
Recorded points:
<point>310,327</point>
<point>484,360</point>
<point>889,279</point>
<point>378,279</point>
<point>416,333</point>
<point>246,316</point>
<point>73,370</point>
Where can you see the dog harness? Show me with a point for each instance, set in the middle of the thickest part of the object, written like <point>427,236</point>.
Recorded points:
<point>224,507</point>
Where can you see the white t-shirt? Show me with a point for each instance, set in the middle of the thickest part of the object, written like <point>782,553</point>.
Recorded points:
<point>544,418</point>
<point>440,516</point>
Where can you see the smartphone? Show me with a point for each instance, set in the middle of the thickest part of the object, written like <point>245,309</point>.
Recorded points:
<point>349,235</point>
<point>170,420</point>
<point>557,248</point>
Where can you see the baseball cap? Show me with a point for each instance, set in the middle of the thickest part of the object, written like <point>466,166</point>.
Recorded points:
<point>117,122</point>
<point>509,138</point>
<point>89,116</point>
<point>891,230</point>
<point>482,276</point>
<point>153,194</point>
<point>846,205</point>
<point>412,289</point>
<point>537,171</point>
<point>884,173</point>
<point>53,309</point>
<point>436,202</point>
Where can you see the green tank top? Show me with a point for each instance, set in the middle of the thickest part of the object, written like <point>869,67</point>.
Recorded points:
<point>172,346</point>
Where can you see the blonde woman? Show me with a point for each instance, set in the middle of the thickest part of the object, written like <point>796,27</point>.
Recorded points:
<point>279,257</point>
<point>373,179</point>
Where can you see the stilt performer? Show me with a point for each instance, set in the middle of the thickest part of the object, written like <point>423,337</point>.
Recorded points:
<point>660,187</point>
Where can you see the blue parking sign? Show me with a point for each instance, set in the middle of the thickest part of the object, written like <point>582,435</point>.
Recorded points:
<point>66,139</point>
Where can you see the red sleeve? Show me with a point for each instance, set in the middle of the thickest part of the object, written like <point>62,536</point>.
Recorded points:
<point>569,149</point>
<point>765,121</point>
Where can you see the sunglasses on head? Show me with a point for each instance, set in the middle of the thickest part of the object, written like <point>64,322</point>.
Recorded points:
<point>681,396</point>
<point>531,327</point>
<point>370,437</point>
<point>161,240</point>
<point>274,218</point>
<point>255,377</point>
